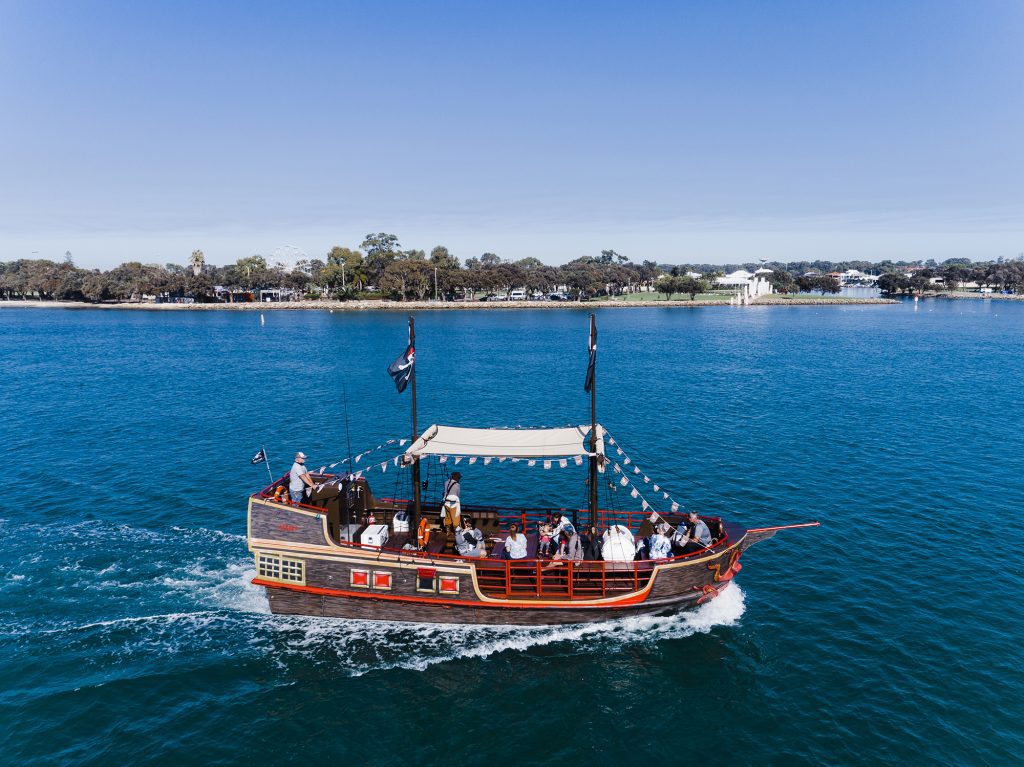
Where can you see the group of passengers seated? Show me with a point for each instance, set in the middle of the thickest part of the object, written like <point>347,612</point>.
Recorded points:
<point>691,536</point>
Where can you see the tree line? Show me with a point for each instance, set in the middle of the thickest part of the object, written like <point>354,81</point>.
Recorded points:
<point>998,275</point>
<point>380,268</point>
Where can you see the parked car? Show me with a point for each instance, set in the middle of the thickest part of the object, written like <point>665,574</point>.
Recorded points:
<point>517,295</point>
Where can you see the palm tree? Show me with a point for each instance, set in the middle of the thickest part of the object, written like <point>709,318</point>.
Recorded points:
<point>197,261</point>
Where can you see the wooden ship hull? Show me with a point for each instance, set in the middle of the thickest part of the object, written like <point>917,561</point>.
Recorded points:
<point>307,569</point>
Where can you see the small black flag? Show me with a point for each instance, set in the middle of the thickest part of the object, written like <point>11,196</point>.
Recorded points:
<point>260,457</point>
<point>401,369</point>
<point>588,382</point>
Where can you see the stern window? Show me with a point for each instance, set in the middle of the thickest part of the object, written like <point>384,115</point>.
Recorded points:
<point>275,568</point>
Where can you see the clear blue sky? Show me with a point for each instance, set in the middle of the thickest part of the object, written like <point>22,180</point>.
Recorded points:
<point>682,132</point>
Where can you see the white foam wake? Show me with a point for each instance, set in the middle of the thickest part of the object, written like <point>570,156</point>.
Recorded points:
<point>359,647</point>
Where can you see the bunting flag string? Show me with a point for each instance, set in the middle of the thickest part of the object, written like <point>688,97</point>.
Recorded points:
<point>625,476</point>
<point>626,461</point>
<point>357,458</point>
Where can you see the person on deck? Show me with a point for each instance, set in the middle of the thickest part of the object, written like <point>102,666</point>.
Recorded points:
<point>546,541</point>
<point>660,546</point>
<point>592,544</point>
<point>515,544</point>
<point>451,506</point>
<point>562,524</point>
<point>569,548</point>
<point>698,536</point>
<point>469,541</point>
<point>453,487</point>
<point>299,478</point>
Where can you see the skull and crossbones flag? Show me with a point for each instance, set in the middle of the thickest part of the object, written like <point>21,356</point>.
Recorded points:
<point>401,369</point>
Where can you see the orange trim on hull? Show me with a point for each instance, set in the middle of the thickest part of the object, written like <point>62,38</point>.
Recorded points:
<point>631,602</point>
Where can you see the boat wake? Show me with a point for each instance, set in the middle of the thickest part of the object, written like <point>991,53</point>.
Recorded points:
<point>192,594</point>
<point>359,647</point>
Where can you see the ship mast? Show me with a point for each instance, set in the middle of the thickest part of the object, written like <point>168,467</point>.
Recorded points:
<point>593,426</point>
<point>414,523</point>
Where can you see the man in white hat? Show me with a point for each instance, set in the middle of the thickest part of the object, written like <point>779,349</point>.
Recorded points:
<point>298,478</point>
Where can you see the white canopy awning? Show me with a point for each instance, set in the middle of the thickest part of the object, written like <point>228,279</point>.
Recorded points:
<point>507,443</point>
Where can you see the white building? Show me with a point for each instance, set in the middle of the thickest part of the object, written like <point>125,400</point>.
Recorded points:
<point>748,286</point>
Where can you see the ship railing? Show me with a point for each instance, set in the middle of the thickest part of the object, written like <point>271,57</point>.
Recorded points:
<point>561,579</point>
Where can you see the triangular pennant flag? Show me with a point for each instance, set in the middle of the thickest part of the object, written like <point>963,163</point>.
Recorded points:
<point>401,442</point>
<point>547,464</point>
<point>616,469</point>
<point>636,470</point>
<point>457,460</point>
<point>443,459</point>
<point>645,505</point>
<point>472,460</point>
<point>563,462</point>
<point>384,467</point>
<point>626,461</point>
<point>333,465</point>
<point>396,460</point>
<point>618,450</point>
<point>359,475</point>
<point>531,463</point>
<point>656,488</point>
<point>665,496</point>
<point>653,518</point>
<point>633,493</point>
<point>623,481</point>
<point>487,461</point>
<point>502,459</point>
<point>611,441</point>
<point>647,480</point>
<point>675,507</point>
<point>390,442</point>
<point>359,456</point>
<point>579,460</point>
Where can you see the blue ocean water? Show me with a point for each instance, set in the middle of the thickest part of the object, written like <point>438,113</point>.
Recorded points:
<point>129,632</point>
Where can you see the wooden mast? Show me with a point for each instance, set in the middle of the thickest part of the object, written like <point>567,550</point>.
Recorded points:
<point>414,523</point>
<point>593,425</point>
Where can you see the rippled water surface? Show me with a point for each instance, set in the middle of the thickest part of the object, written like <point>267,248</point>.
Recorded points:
<point>129,632</point>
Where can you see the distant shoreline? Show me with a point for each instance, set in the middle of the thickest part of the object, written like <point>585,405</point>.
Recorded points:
<point>357,306</point>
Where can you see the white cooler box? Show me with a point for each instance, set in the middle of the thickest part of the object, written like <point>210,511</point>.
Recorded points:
<point>374,535</point>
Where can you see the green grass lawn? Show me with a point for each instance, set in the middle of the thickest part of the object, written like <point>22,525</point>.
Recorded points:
<point>717,296</point>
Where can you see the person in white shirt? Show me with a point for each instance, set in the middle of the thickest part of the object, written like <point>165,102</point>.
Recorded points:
<point>562,524</point>
<point>298,478</point>
<point>515,543</point>
<point>661,543</point>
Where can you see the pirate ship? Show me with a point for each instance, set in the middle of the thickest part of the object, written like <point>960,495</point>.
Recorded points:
<point>343,552</point>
